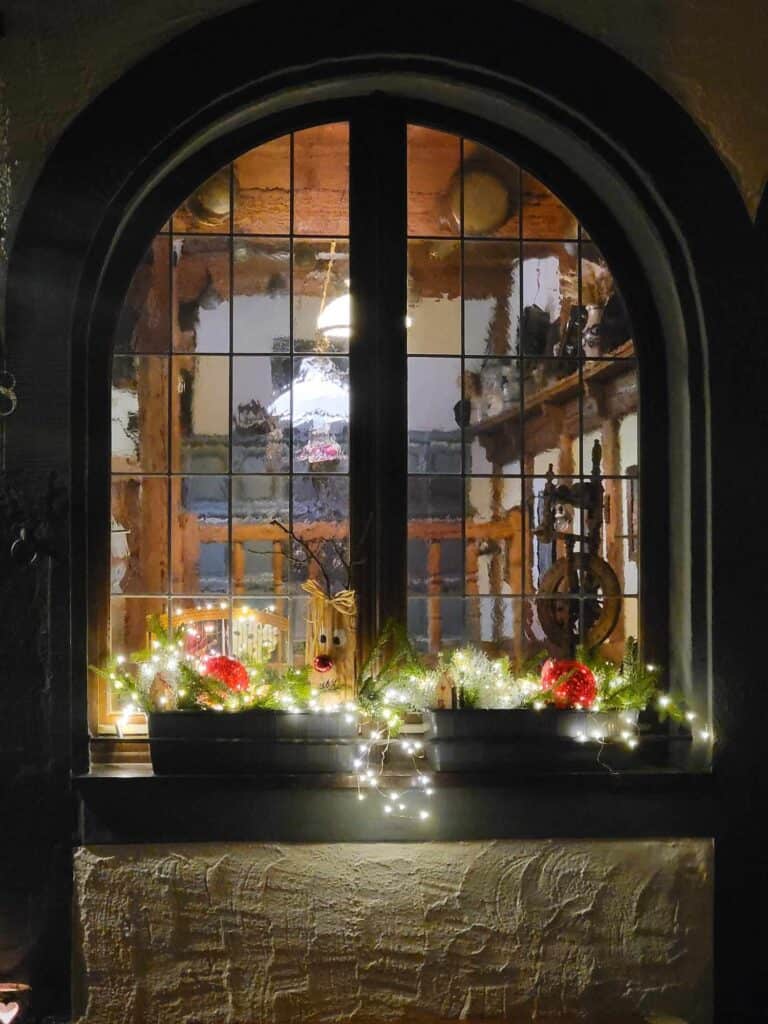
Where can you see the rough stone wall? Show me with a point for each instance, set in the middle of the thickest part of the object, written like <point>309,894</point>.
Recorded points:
<point>281,934</point>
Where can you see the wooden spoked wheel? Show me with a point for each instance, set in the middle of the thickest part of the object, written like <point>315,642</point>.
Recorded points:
<point>599,603</point>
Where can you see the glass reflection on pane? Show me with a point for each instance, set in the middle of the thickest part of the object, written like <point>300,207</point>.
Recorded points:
<point>262,199</point>
<point>436,623</point>
<point>139,535</point>
<point>261,315</point>
<point>492,398</point>
<point>554,517</point>
<point>550,290</point>
<point>498,625</point>
<point>610,404</point>
<point>434,195</point>
<point>491,193</point>
<point>261,630</point>
<point>435,412</point>
<point>144,324</point>
<point>551,421</point>
<point>435,508</point>
<point>259,549</point>
<point>544,216</point>
<point>553,626</point>
<point>607,330</point>
<point>620,544</point>
<point>321,301</point>
<point>207,209</point>
<point>320,414</point>
<point>298,647</point>
<point>204,623</point>
<point>434,297</point>
<point>321,521</point>
<point>491,298</point>
<point>321,180</point>
<point>139,414</point>
<point>494,536</point>
<point>200,534</point>
<point>260,414</point>
<point>201,294</point>
<point>200,418</point>
<point>627,625</point>
<point>130,621</point>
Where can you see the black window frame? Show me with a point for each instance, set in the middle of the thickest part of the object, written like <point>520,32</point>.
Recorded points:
<point>378,379</point>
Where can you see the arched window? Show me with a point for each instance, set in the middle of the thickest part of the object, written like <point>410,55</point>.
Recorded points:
<point>476,474</point>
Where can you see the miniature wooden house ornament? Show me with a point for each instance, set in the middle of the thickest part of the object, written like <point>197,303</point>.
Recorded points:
<point>331,645</point>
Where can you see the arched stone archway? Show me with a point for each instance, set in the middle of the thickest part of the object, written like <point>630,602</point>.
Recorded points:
<point>636,163</point>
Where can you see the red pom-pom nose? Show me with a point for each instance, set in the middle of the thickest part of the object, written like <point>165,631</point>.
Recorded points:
<point>322,663</point>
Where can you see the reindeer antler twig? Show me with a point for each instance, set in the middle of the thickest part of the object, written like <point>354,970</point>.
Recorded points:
<point>309,552</point>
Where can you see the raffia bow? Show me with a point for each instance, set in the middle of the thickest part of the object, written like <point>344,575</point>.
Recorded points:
<point>344,602</point>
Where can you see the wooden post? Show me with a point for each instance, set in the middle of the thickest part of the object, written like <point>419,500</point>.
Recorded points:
<point>278,572</point>
<point>238,566</point>
<point>473,591</point>
<point>613,514</point>
<point>496,568</point>
<point>434,586</point>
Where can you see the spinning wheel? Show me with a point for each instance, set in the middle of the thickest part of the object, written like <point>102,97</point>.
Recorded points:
<point>599,608</point>
<point>579,595</point>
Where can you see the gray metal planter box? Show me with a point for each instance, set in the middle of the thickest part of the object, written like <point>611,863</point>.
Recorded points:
<point>549,740</point>
<point>243,742</point>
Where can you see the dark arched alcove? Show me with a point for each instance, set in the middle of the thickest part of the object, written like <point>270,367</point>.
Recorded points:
<point>652,191</point>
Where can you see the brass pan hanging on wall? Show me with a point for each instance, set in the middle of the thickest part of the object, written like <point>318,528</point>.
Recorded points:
<point>486,200</point>
<point>209,205</point>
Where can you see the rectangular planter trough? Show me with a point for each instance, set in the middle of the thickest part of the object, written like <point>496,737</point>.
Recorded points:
<point>547,740</point>
<point>243,742</point>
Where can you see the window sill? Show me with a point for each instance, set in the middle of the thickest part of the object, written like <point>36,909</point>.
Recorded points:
<point>128,803</point>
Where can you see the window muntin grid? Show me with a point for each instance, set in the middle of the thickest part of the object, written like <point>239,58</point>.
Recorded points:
<point>221,377</point>
<point>508,373</point>
<point>475,482</point>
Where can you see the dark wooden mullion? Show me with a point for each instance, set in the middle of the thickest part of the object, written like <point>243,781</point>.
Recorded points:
<point>378,383</point>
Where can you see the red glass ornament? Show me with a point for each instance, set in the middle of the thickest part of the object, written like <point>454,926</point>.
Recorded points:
<point>229,671</point>
<point>322,663</point>
<point>576,686</point>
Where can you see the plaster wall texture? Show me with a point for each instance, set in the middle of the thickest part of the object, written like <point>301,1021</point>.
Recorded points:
<point>506,930</point>
<point>709,55</point>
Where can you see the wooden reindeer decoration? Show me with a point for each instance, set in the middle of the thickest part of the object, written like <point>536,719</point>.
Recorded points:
<point>331,645</point>
<point>331,635</point>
